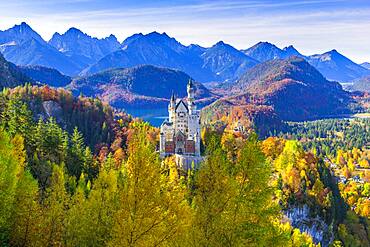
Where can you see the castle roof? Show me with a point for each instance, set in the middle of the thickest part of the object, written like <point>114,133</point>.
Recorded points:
<point>166,122</point>
<point>181,102</point>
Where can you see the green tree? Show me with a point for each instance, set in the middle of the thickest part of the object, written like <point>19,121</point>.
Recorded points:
<point>75,159</point>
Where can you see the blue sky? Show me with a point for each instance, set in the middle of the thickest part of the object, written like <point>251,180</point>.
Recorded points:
<point>312,26</point>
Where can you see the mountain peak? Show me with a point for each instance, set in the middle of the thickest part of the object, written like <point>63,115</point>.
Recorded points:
<point>265,43</point>
<point>291,51</point>
<point>220,45</point>
<point>333,52</point>
<point>157,34</point>
<point>24,24</point>
<point>23,27</point>
<point>335,66</point>
<point>290,48</point>
<point>264,51</point>
<point>20,33</point>
<point>74,30</point>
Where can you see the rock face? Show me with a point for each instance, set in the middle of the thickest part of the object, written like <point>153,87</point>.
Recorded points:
<point>48,76</point>
<point>301,218</point>
<point>23,46</point>
<point>10,75</point>
<point>146,86</point>
<point>82,48</point>
<point>54,110</point>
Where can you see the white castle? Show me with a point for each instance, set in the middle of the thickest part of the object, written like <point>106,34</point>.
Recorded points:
<point>180,133</point>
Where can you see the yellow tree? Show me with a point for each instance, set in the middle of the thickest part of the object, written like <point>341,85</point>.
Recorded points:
<point>54,209</point>
<point>211,203</point>
<point>151,212</point>
<point>90,221</point>
<point>11,167</point>
<point>26,219</point>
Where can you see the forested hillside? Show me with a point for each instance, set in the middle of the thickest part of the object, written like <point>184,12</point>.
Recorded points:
<point>56,191</point>
<point>45,75</point>
<point>140,86</point>
<point>10,75</point>
<point>71,166</point>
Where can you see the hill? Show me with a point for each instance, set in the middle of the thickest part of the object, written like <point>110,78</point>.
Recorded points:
<point>287,89</point>
<point>48,76</point>
<point>295,89</point>
<point>21,45</point>
<point>144,85</point>
<point>10,75</point>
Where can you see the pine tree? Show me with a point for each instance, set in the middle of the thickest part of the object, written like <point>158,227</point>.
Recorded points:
<point>76,159</point>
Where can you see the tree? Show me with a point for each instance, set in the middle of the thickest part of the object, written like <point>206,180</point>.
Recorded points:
<point>150,211</point>
<point>76,151</point>
<point>255,215</point>
<point>10,169</point>
<point>54,209</point>
<point>27,211</point>
<point>233,201</point>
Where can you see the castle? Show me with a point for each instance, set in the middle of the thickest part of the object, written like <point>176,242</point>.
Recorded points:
<point>180,133</point>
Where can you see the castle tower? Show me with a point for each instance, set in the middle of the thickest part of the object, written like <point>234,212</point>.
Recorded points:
<point>171,108</point>
<point>191,94</point>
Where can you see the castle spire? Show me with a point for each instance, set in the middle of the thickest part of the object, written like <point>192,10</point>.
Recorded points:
<point>173,97</point>
<point>190,83</point>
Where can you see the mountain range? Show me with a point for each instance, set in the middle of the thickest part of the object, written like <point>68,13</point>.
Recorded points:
<point>21,45</point>
<point>333,65</point>
<point>82,48</point>
<point>75,52</point>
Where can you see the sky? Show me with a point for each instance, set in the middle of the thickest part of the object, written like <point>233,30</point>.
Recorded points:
<point>312,26</point>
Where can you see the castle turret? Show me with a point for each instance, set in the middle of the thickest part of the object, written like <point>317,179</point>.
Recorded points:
<point>191,93</point>
<point>171,108</point>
